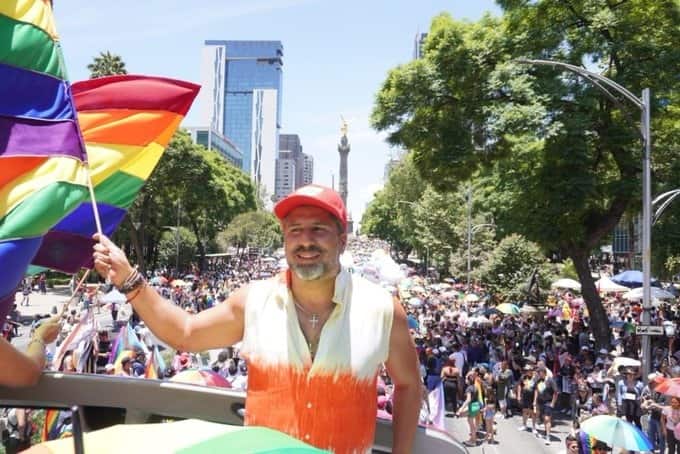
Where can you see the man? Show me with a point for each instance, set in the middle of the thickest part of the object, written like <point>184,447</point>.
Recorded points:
<point>314,337</point>
<point>503,383</point>
<point>545,397</point>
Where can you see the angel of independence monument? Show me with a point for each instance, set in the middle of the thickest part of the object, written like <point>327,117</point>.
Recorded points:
<point>343,149</point>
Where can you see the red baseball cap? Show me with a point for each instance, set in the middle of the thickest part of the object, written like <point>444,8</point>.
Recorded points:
<point>313,195</point>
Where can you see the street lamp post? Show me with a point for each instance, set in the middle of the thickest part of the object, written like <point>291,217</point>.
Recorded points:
<point>605,85</point>
<point>471,230</point>
<point>427,250</point>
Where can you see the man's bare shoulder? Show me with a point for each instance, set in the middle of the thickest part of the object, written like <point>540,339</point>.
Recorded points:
<point>240,295</point>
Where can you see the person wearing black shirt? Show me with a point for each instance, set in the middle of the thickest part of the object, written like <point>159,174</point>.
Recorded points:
<point>545,397</point>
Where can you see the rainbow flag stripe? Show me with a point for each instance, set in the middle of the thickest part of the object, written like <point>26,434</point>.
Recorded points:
<point>126,122</point>
<point>43,174</point>
<point>50,132</point>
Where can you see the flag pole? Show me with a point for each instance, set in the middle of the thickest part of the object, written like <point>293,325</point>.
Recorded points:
<point>95,210</point>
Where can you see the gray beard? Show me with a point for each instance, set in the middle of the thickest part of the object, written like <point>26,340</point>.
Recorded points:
<point>309,272</point>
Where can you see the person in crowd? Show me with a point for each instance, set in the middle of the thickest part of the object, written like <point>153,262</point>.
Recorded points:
<point>503,380</point>
<point>297,323</point>
<point>471,406</point>
<point>450,376</point>
<point>19,430</point>
<point>125,367</point>
<point>571,445</point>
<point>600,447</point>
<point>651,404</point>
<point>526,388</point>
<point>24,368</point>
<point>545,397</point>
<point>670,417</point>
<point>26,290</point>
<point>240,383</point>
<point>489,392</point>
<point>138,364</point>
<point>630,391</point>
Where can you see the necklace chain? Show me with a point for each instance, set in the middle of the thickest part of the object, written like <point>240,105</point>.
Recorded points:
<point>314,319</point>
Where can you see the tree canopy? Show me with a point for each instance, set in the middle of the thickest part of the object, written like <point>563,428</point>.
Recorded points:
<point>106,64</point>
<point>564,160</point>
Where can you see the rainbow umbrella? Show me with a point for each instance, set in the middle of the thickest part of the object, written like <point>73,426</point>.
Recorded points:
<point>669,387</point>
<point>616,432</point>
<point>204,377</point>
<point>190,436</point>
<point>508,309</point>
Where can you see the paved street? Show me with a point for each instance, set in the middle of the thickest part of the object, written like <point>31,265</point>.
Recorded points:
<point>510,440</point>
<point>43,304</point>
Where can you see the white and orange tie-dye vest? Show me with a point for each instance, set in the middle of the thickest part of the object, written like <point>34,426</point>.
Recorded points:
<point>330,403</point>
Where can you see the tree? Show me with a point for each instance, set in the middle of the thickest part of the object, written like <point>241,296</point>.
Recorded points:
<point>210,192</point>
<point>106,64</point>
<point>563,158</point>
<point>391,214</point>
<point>509,266</point>
<point>167,247</point>
<point>258,229</point>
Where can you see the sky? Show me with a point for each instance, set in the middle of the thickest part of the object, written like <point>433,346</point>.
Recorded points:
<point>336,56</point>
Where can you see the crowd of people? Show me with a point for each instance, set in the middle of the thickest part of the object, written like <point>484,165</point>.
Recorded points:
<point>540,365</point>
<point>536,365</point>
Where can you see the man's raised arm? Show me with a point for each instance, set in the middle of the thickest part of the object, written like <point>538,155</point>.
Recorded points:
<point>402,365</point>
<point>217,327</point>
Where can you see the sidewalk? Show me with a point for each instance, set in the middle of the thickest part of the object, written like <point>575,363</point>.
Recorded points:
<point>43,304</point>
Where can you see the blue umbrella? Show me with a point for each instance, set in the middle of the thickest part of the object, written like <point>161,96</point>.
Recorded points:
<point>616,432</point>
<point>630,278</point>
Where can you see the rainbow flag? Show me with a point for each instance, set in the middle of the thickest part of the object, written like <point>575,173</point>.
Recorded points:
<point>56,425</point>
<point>43,175</point>
<point>153,363</point>
<point>126,122</point>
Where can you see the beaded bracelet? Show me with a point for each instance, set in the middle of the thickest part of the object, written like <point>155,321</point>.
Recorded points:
<point>133,281</point>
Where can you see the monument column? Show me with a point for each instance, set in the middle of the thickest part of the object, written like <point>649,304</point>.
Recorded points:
<point>343,149</point>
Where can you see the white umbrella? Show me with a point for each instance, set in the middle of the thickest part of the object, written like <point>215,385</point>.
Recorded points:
<point>114,296</point>
<point>415,302</point>
<point>567,284</point>
<point>657,293</point>
<point>606,285</point>
<point>471,298</point>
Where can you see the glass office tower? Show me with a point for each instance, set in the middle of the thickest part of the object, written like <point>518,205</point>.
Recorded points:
<point>232,71</point>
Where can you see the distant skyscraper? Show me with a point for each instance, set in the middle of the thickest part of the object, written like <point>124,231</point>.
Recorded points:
<point>307,169</point>
<point>292,159</point>
<point>241,99</point>
<point>291,143</point>
<point>285,174</point>
<point>418,45</point>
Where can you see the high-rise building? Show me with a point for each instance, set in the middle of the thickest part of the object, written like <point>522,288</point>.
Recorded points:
<point>292,159</point>
<point>213,140</point>
<point>285,174</point>
<point>307,169</point>
<point>241,99</point>
<point>418,45</point>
